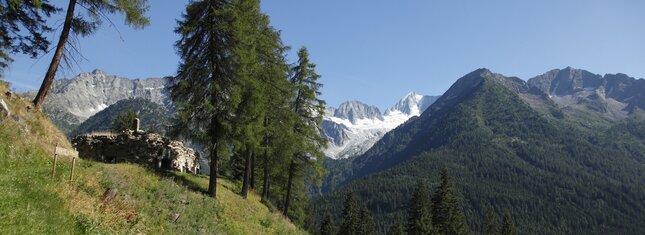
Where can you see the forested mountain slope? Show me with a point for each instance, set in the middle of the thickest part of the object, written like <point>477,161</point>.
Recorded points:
<point>152,116</point>
<point>508,152</point>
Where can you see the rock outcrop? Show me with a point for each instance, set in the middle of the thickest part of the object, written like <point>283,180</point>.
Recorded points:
<point>4,109</point>
<point>149,149</point>
<point>614,96</point>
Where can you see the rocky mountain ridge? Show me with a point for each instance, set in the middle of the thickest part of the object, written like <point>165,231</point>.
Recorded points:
<point>356,110</point>
<point>351,128</point>
<point>354,127</point>
<point>72,101</point>
<point>612,95</point>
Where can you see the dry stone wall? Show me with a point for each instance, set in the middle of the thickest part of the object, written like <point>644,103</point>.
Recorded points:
<point>139,147</point>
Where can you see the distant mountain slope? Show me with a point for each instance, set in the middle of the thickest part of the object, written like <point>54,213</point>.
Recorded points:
<point>507,150</point>
<point>354,127</point>
<point>612,96</point>
<point>152,116</point>
<point>72,101</point>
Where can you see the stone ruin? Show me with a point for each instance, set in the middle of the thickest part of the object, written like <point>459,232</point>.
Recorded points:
<point>138,147</point>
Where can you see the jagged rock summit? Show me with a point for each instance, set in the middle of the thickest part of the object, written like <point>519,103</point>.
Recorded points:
<point>72,101</point>
<point>614,96</point>
<point>356,110</point>
<point>411,104</point>
<point>354,127</point>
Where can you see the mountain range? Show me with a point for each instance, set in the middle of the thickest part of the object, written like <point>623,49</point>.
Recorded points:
<point>354,127</point>
<point>563,152</point>
<point>351,128</point>
<point>72,101</point>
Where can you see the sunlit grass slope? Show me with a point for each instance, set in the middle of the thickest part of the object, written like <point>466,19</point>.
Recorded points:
<point>146,202</point>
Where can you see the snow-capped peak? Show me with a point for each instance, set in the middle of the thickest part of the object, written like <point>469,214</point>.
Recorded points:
<point>354,127</point>
<point>408,105</point>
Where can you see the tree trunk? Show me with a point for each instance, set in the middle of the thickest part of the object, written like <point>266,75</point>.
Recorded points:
<point>266,179</point>
<point>252,172</point>
<point>287,200</point>
<point>247,174</point>
<point>58,55</point>
<point>212,180</point>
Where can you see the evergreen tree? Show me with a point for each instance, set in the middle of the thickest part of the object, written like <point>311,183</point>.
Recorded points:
<point>205,90</point>
<point>351,216</point>
<point>124,121</point>
<point>249,118</point>
<point>327,227</point>
<point>277,130</point>
<point>419,211</point>
<point>508,227</point>
<point>236,164</point>
<point>396,228</point>
<point>366,222</point>
<point>22,24</point>
<point>86,23</point>
<point>447,213</point>
<point>309,110</point>
<point>491,223</point>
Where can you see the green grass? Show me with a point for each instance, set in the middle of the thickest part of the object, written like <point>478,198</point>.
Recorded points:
<point>31,203</point>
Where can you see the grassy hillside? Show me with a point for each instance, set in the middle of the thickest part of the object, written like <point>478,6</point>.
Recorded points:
<point>146,202</point>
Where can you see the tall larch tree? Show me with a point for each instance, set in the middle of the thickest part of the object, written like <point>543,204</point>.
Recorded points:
<point>309,110</point>
<point>22,25</point>
<point>327,226</point>
<point>491,223</point>
<point>277,130</point>
<point>264,115</point>
<point>248,118</point>
<point>447,213</point>
<point>397,228</point>
<point>508,227</point>
<point>205,90</point>
<point>84,23</point>
<point>351,216</point>
<point>420,211</point>
<point>367,225</point>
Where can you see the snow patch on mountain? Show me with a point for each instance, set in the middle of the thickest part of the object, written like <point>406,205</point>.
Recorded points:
<point>355,127</point>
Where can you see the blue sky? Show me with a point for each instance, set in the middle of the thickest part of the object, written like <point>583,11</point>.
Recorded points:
<point>377,51</point>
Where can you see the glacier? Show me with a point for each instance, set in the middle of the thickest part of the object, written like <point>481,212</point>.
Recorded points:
<point>351,136</point>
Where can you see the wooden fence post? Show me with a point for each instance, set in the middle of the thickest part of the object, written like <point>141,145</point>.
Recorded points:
<point>54,166</point>
<point>71,177</point>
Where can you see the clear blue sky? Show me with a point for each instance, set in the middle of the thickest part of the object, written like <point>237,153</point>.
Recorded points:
<point>376,51</point>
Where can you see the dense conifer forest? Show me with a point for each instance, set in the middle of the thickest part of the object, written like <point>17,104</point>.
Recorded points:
<point>552,174</point>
